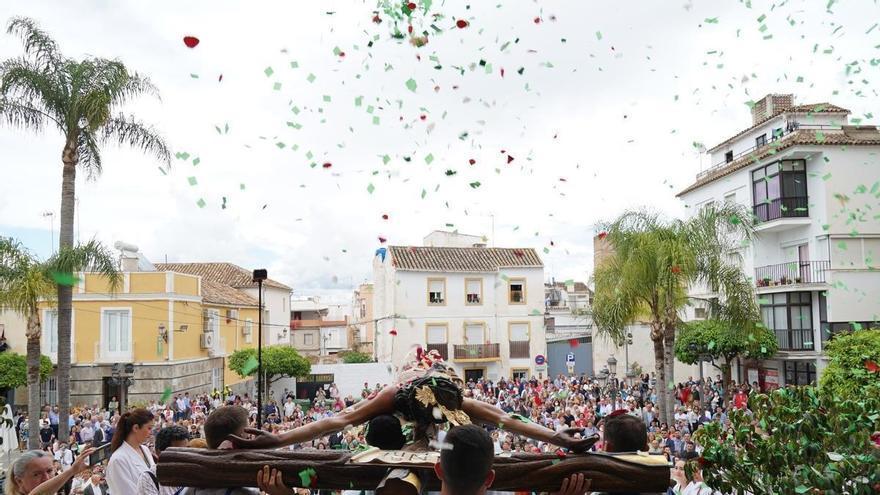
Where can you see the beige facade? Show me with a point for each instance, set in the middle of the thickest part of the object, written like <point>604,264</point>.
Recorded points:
<point>363,328</point>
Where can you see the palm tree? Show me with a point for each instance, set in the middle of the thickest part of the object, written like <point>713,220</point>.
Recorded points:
<point>25,282</point>
<point>80,99</point>
<point>654,265</point>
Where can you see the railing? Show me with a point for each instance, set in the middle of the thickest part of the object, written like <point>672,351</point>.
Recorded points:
<point>519,349</point>
<point>793,272</point>
<point>477,351</point>
<point>795,340</point>
<point>443,349</point>
<point>792,127</point>
<point>790,207</point>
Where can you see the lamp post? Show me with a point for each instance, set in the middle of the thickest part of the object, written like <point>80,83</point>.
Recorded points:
<point>259,276</point>
<point>612,370</point>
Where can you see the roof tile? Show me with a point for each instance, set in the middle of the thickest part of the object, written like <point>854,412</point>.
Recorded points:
<point>453,259</point>
<point>224,273</point>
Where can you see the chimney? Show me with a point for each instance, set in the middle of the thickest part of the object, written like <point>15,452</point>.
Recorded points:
<point>771,105</point>
<point>128,257</point>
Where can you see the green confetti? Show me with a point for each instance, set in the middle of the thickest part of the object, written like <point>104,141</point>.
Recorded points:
<point>429,158</point>
<point>197,161</point>
<point>294,64</point>
<point>241,187</point>
<point>475,184</point>
<point>371,188</point>
<point>277,86</point>
<point>711,20</point>
<point>166,394</point>
<point>327,98</point>
<point>546,250</point>
<point>194,76</point>
<point>424,193</point>
<point>411,85</point>
<point>201,203</point>
<point>385,159</point>
<point>250,365</point>
<point>336,51</point>
<point>65,279</point>
<point>269,72</point>
<point>375,120</point>
<point>599,35</point>
<point>182,155</point>
<point>711,344</point>
<point>358,101</point>
<point>192,181</point>
<point>311,78</point>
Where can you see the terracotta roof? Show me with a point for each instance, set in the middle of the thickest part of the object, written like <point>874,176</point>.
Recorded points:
<point>806,108</point>
<point>451,259</point>
<point>217,293</point>
<point>224,273</point>
<point>848,135</point>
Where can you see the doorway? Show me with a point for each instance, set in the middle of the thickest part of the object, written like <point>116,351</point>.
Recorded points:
<point>474,374</point>
<point>111,387</point>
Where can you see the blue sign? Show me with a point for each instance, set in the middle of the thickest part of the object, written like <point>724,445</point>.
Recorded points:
<point>569,358</point>
<point>540,359</point>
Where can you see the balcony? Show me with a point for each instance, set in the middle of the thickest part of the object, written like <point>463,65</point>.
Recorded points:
<point>794,274</point>
<point>477,352</point>
<point>442,349</point>
<point>795,340</point>
<point>782,213</point>
<point>519,349</point>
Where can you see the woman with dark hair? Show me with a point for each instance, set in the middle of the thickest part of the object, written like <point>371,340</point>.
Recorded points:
<point>130,458</point>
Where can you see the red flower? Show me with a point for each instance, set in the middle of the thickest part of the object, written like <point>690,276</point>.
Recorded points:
<point>384,217</point>
<point>461,23</point>
<point>190,41</point>
<point>537,20</point>
<point>872,366</point>
<point>377,19</point>
<point>472,161</point>
<point>675,269</point>
<point>603,235</point>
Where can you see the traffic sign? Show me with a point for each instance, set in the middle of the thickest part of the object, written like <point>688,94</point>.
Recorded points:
<point>569,358</point>
<point>540,359</point>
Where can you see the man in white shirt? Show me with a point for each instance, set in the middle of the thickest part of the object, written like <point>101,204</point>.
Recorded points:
<point>289,406</point>
<point>64,456</point>
<point>87,432</point>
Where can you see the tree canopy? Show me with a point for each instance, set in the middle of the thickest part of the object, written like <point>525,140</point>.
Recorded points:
<point>353,357</point>
<point>278,361</point>
<point>13,369</point>
<point>853,363</point>
<point>721,341</point>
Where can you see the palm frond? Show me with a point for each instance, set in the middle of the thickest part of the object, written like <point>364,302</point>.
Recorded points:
<point>89,153</point>
<point>23,282</point>
<point>37,43</point>
<point>90,257</point>
<point>127,131</point>
<point>23,82</point>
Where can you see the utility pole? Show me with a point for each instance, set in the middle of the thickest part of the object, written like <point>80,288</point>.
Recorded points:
<point>259,276</point>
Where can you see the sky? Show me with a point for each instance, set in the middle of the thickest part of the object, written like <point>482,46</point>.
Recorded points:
<point>530,125</point>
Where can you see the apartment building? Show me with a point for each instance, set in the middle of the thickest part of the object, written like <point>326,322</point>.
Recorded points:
<point>363,327</point>
<point>568,323</point>
<point>810,180</point>
<point>318,330</point>
<point>481,308</point>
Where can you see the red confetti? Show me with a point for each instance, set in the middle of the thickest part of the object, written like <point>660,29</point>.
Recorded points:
<point>561,454</point>
<point>502,72</point>
<point>509,159</point>
<point>872,366</point>
<point>573,342</point>
<point>377,19</point>
<point>675,269</point>
<point>472,161</point>
<point>341,54</point>
<point>409,29</point>
<point>327,165</point>
<point>461,23</point>
<point>393,332</point>
<point>537,20</point>
<point>423,117</point>
<point>190,41</point>
<point>382,239</point>
<point>384,217</point>
<point>603,235</point>
<point>411,6</point>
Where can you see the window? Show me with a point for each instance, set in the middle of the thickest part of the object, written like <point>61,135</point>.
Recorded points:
<point>216,378</point>
<point>473,291</point>
<point>780,190</point>
<point>700,313</point>
<point>728,157</point>
<point>519,339</point>
<point>436,291</point>
<point>436,338</point>
<point>800,373</point>
<point>520,374</point>
<point>49,391</point>
<point>517,291</point>
<point>116,333</point>
<point>50,332</point>
<point>761,140</point>
<point>248,331</point>
<point>474,333</point>
<point>309,339</point>
<point>789,315</point>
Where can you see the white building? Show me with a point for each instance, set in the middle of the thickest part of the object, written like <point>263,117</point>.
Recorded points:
<point>481,308</point>
<point>810,180</point>
<point>276,296</point>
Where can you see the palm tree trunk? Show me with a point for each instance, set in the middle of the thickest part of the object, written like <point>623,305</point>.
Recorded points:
<point>660,369</point>
<point>65,293</point>
<point>669,357</point>
<point>33,381</point>
<point>725,370</point>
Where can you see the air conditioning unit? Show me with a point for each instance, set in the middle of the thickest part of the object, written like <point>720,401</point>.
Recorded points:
<point>206,321</point>
<point>206,341</point>
<point>231,315</point>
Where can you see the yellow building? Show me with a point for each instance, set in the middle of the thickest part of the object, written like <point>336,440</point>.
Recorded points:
<point>175,329</point>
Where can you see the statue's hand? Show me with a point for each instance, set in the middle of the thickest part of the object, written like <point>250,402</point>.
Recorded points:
<point>259,439</point>
<point>566,438</point>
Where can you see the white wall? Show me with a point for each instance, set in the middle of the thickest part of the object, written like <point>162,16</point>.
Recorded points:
<point>349,378</point>
<point>276,326</point>
<point>642,352</point>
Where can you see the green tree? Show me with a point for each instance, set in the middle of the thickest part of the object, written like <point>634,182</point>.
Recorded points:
<point>719,341</point>
<point>353,357</point>
<point>853,358</point>
<point>796,440</point>
<point>81,100</point>
<point>25,281</point>
<point>13,369</point>
<point>651,267</point>
<point>279,361</point>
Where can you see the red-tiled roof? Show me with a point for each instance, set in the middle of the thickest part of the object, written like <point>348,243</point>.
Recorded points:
<point>217,293</point>
<point>224,273</point>
<point>849,135</point>
<point>451,259</point>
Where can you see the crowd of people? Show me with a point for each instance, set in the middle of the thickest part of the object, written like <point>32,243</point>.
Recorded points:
<point>139,435</point>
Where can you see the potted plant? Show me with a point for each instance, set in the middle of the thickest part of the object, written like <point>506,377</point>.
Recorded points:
<point>783,280</point>
<point>797,280</point>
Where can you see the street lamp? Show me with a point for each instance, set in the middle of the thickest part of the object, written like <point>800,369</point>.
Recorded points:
<point>612,369</point>
<point>259,276</point>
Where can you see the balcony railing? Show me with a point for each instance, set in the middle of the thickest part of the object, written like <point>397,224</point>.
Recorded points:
<point>443,349</point>
<point>519,349</point>
<point>789,207</point>
<point>793,272</point>
<point>477,351</point>
<point>795,340</point>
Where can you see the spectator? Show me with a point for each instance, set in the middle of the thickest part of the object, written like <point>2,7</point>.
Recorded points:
<point>97,485</point>
<point>46,433</point>
<point>171,436</point>
<point>113,406</point>
<point>130,457</point>
<point>466,467</point>
<point>34,472</point>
